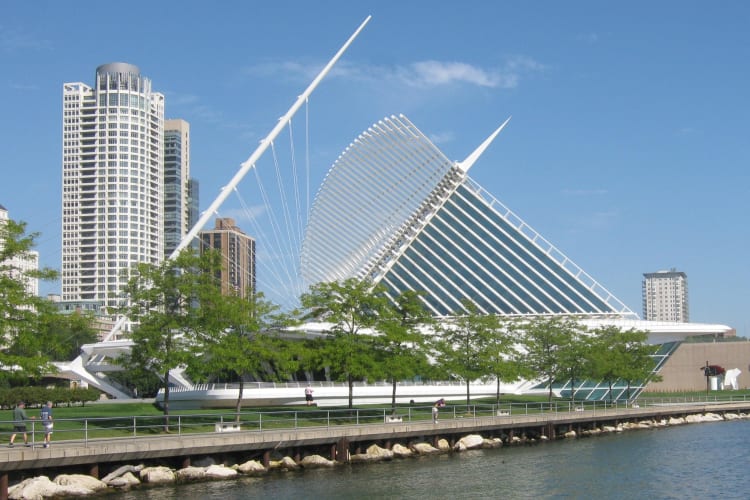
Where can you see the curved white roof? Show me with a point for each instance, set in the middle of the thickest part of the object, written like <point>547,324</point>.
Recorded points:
<point>371,192</point>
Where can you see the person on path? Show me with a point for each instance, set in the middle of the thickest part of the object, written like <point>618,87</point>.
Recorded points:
<point>46,416</point>
<point>19,423</point>
<point>309,395</point>
<point>435,413</point>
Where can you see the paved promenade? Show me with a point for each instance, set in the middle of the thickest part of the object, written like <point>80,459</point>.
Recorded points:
<point>133,450</point>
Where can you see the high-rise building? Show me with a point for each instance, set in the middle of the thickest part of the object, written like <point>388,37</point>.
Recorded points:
<point>20,265</point>
<point>177,189</point>
<point>193,212</point>
<point>238,256</point>
<point>665,296</point>
<point>113,182</point>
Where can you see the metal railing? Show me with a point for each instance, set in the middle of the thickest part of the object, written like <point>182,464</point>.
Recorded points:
<point>85,430</point>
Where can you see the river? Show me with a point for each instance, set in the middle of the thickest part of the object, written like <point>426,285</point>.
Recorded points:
<point>707,460</point>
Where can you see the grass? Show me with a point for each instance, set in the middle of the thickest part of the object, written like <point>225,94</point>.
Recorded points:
<point>125,420</point>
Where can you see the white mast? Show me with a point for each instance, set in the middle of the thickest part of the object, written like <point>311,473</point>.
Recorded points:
<point>250,162</point>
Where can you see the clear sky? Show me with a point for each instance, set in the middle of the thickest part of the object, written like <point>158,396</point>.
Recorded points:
<point>628,147</point>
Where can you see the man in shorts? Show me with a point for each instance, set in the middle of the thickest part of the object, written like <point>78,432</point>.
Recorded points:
<point>46,416</point>
<point>19,423</point>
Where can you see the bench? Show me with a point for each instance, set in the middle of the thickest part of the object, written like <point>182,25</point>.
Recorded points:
<point>227,427</point>
<point>503,413</point>
<point>393,419</point>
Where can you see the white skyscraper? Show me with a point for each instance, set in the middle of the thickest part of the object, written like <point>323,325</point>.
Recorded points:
<point>113,182</point>
<point>665,296</point>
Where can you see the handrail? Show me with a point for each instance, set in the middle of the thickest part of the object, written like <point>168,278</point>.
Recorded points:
<point>91,429</point>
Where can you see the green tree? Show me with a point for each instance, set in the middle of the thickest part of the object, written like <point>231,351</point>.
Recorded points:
<point>503,359</point>
<point>164,302</point>
<point>621,355</point>
<point>400,343</point>
<point>575,363</point>
<point>350,306</point>
<point>21,313</point>
<point>242,338</point>
<point>462,344</point>
<point>66,333</point>
<point>545,341</point>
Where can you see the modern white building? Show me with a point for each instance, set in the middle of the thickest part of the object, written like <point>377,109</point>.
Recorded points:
<point>665,296</point>
<point>20,265</point>
<point>113,182</point>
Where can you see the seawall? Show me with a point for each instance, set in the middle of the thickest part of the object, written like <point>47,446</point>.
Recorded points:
<point>337,442</point>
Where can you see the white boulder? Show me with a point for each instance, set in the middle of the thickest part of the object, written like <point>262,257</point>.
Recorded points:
<point>316,461</point>
<point>401,451</point>
<point>427,448</point>
<point>251,467</point>
<point>219,472</point>
<point>125,481</point>
<point>469,442</point>
<point>157,475</point>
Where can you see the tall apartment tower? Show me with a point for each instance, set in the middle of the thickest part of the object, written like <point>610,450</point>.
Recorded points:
<point>178,195</point>
<point>238,256</point>
<point>665,296</point>
<point>20,265</point>
<point>113,182</point>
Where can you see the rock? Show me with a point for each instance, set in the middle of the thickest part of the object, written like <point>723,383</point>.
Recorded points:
<point>251,467</point>
<point>514,440</point>
<point>191,473</point>
<point>33,488</point>
<point>120,471</point>
<point>676,421</point>
<point>469,442</point>
<point>125,481</point>
<point>492,443</point>
<point>374,454</point>
<point>426,448</point>
<point>570,434</point>
<point>286,463</point>
<point>316,461</point>
<point>81,481</point>
<point>731,416</point>
<point>712,417</point>
<point>156,475</point>
<point>401,451</point>
<point>694,419</point>
<point>608,428</point>
<point>443,445</point>
<point>220,472</point>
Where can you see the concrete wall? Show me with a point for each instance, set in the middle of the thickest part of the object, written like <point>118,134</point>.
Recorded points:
<point>682,371</point>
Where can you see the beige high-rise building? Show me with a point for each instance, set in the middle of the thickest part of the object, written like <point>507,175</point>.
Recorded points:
<point>238,256</point>
<point>665,296</point>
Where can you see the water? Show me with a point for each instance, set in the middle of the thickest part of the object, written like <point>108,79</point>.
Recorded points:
<point>708,460</point>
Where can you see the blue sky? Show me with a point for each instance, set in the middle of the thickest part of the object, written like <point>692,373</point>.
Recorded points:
<point>628,147</point>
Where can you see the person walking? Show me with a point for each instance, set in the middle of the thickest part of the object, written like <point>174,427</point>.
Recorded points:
<point>46,416</point>
<point>19,423</point>
<point>309,395</point>
<point>435,413</point>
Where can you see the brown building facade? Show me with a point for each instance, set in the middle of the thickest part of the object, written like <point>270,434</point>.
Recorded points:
<point>238,256</point>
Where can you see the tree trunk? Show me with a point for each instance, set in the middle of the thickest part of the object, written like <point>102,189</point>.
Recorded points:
<point>238,406</point>
<point>468,396</point>
<point>497,395</point>
<point>166,401</point>
<point>611,399</point>
<point>393,397</point>
<point>573,388</point>
<point>549,398</point>
<point>351,391</point>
